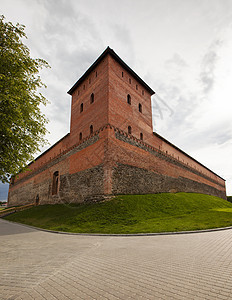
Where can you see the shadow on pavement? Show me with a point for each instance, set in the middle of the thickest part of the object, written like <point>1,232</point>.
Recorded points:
<point>8,228</point>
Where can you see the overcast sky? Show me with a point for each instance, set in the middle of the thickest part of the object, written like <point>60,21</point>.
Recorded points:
<point>181,48</point>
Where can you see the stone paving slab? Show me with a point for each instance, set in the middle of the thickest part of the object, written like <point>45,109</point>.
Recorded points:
<point>42,265</point>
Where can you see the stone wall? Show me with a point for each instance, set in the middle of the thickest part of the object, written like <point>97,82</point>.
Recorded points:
<point>82,186</point>
<point>133,180</point>
<point>73,188</point>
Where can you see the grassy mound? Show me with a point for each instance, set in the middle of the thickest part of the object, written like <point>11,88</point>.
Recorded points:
<point>133,214</point>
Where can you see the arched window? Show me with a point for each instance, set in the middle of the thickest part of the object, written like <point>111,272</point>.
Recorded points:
<point>129,129</point>
<point>128,99</point>
<point>140,107</point>
<point>37,200</point>
<point>55,183</point>
<point>91,129</point>
<point>141,136</point>
<point>92,98</point>
<point>80,136</point>
<point>81,107</point>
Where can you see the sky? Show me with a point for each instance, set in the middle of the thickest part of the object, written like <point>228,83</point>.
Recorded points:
<point>181,48</point>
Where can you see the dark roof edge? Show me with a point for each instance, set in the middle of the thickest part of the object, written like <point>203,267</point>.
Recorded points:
<point>110,51</point>
<point>162,138</point>
<point>49,148</point>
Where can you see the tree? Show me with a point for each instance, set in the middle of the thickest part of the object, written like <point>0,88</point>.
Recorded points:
<point>22,125</point>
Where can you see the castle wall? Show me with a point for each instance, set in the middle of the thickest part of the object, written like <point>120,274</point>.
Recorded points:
<point>57,149</point>
<point>140,168</point>
<point>81,176</point>
<point>112,162</point>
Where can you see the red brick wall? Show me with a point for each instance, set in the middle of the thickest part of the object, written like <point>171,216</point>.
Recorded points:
<point>73,161</point>
<point>93,114</point>
<point>125,153</point>
<point>122,114</point>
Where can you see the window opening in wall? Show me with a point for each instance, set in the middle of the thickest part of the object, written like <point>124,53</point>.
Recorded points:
<point>91,129</point>
<point>128,99</point>
<point>81,107</point>
<point>136,86</point>
<point>89,80</point>
<point>142,92</point>
<point>129,80</point>
<point>129,129</point>
<point>80,136</point>
<point>96,73</point>
<point>55,183</point>
<point>92,98</point>
<point>122,74</point>
<point>140,107</point>
<point>37,199</point>
<point>141,136</point>
<point>78,92</point>
<point>84,86</point>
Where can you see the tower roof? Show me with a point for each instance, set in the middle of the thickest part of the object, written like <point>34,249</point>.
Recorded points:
<point>110,51</point>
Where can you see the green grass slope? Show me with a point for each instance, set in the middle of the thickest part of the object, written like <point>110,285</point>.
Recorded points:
<point>133,214</point>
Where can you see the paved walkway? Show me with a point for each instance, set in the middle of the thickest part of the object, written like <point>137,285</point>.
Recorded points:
<point>41,265</point>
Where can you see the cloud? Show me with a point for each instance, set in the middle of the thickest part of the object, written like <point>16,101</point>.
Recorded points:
<point>175,61</point>
<point>208,66</point>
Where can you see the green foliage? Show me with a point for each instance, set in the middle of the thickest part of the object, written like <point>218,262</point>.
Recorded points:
<point>22,125</point>
<point>133,214</point>
<point>229,198</point>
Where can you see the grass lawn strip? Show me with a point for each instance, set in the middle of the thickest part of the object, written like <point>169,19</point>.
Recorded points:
<point>133,214</point>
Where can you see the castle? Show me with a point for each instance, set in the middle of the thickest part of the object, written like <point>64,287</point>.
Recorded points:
<point>111,148</point>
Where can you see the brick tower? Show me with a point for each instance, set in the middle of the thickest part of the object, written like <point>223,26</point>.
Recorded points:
<point>111,147</point>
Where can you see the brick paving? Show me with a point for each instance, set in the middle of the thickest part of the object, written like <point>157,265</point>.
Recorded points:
<point>41,265</point>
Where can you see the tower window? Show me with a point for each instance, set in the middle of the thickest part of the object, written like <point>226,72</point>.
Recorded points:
<point>141,136</point>
<point>136,86</point>
<point>55,183</point>
<point>91,129</point>
<point>122,74</point>
<point>129,80</point>
<point>78,92</point>
<point>142,92</point>
<point>81,107</point>
<point>140,107</point>
<point>128,99</point>
<point>129,129</point>
<point>80,136</point>
<point>96,73</point>
<point>89,80</point>
<point>92,98</point>
<point>84,86</point>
